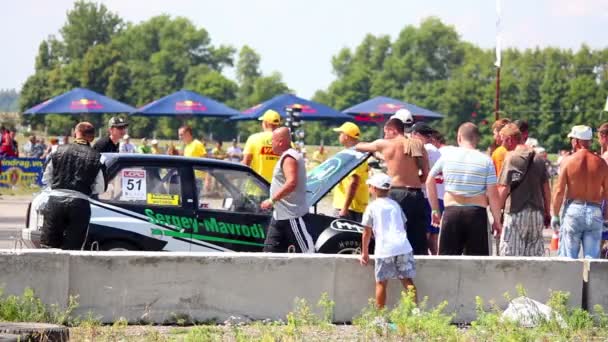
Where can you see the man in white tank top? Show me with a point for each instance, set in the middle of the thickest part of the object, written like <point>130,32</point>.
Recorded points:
<point>287,230</point>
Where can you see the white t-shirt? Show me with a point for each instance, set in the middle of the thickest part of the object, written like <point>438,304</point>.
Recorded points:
<point>434,155</point>
<point>237,152</point>
<point>388,223</point>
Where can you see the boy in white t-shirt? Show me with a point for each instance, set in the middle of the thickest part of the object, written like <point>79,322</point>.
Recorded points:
<point>393,252</point>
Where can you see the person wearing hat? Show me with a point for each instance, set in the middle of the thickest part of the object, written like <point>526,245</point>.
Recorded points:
<point>407,162</point>
<point>154,149</point>
<point>583,183</point>
<point>351,195</point>
<point>126,146</point>
<point>110,144</point>
<point>258,153</point>
<point>406,117</point>
<point>393,254</point>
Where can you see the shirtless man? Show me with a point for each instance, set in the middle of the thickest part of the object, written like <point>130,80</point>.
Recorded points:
<point>469,178</point>
<point>583,182</point>
<point>407,164</point>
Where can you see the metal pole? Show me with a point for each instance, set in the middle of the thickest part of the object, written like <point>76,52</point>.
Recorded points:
<point>497,96</point>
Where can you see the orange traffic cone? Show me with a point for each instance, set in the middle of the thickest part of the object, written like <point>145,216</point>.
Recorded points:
<point>554,241</point>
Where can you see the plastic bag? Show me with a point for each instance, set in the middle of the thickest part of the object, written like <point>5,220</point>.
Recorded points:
<point>530,313</point>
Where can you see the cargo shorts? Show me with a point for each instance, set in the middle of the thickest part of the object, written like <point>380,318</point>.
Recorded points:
<point>395,267</point>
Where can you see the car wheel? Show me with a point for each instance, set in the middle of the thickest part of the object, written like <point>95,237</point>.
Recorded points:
<point>118,246</point>
<point>333,241</point>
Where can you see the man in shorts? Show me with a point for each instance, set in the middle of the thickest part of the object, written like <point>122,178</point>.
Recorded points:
<point>393,252</point>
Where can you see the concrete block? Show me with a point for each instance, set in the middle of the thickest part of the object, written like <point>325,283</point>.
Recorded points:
<point>597,283</point>
<point>158,287</point>
<point>45,271</point>
<point>459,280</point>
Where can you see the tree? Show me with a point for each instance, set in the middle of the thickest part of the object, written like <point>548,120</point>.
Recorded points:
<point>87,25</point>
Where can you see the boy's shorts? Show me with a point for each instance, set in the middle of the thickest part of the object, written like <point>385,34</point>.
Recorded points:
<point>396,267</point>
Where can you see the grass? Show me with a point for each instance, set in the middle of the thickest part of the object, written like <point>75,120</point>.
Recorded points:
<point>407,321</point>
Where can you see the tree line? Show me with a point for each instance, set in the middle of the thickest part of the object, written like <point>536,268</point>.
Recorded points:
<point>428,65</point>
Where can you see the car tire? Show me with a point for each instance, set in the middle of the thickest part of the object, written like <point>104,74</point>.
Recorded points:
<point>118,245</point>
<point>35,331</point>
<point>332,241</point>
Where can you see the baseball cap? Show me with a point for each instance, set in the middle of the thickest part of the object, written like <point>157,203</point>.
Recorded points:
<point>154,142</point>
<point>404,115</point>
<point>422,128</point>
<point>581,132</point>
<point>271,117</point>
<point>380,181</point>
<point>349,129</point>
<point>117,122</point>
<point>126,137</point>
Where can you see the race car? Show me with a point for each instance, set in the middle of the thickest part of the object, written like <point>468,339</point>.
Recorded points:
<point>171,203</point>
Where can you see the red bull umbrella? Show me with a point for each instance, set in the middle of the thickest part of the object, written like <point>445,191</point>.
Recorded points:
<point>310,110</point>
<point>379,108</point>
<point>79,101</point>
<point>187,103</point>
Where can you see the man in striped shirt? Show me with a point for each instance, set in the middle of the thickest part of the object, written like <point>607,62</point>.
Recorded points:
<point>470,186</point>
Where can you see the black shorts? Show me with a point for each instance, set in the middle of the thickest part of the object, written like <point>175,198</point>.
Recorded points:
<point>464,230</point>
<point>413,204</point>
<point>288,236</point>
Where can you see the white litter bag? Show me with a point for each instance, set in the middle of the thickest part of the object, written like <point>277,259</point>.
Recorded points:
<point>529,313</point>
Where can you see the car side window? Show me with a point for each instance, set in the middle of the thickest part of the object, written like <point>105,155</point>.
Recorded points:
<point>145,185</point>
<point>230,190</point>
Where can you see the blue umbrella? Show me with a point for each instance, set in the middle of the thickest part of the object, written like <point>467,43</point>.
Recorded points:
<point>186,102</point>
<point>79,101</point>
<point>310,110</point>
<point>376,110</point>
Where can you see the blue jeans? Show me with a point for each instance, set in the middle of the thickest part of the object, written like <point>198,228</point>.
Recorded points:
<point>581,223</point>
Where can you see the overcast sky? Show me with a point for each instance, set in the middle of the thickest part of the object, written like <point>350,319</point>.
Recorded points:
<point>298,38</point>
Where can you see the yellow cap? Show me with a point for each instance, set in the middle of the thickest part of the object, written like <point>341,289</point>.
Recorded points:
<point>271,117</point>
<point>349,129</point>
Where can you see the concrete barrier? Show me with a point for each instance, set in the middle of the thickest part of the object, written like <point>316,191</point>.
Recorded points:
<point>597,283</point>
<point>158,287</point>
<point>46,272</point>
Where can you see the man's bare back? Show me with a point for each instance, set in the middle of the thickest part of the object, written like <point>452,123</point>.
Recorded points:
<point>585,177</point>
<point>402,167</point>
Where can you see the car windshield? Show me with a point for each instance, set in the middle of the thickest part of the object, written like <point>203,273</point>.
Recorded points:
<point>324,177</point>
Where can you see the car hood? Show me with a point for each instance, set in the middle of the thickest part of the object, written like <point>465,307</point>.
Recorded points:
<point>324,177</point>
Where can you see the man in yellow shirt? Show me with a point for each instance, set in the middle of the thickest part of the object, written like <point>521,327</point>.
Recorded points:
<point>258,153</point>
<point>351,195</point>
<point>319,156</point>
<point>192,147</point>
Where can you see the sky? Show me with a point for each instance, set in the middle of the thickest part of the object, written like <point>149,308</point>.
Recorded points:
<point>298,38</point>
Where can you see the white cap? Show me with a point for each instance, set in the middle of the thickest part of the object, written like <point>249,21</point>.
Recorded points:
<point>404,115</point>
<point>532,142</point>
<point>380,181</point>
<point>154,141</point>
<point>126,136</point>
<point>539,150</point>
<point>581,132</point>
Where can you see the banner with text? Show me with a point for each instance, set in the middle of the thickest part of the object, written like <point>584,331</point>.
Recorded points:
<point>21,172</point>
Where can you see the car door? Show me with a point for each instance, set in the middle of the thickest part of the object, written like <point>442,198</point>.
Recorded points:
<point>150,205</point>
<point>228,207</point>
